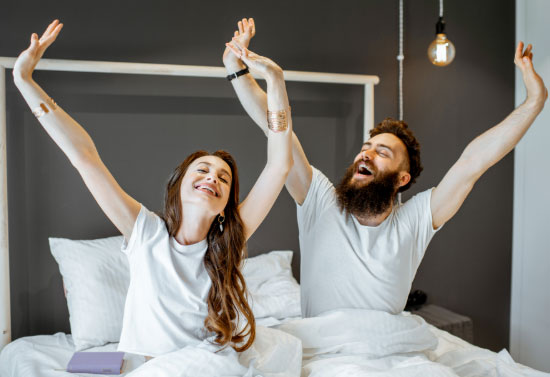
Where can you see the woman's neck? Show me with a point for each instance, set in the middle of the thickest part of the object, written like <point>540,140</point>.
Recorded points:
<point>195,224</point>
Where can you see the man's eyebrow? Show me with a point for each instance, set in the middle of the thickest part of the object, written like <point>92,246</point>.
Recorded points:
<point>209,164</point>
<point>368,144</point>
<point>385,146</point>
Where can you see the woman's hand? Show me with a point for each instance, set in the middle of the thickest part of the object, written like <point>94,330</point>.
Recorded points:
<point>27,61</point>
<point>246,31</point>
<point>265,67</point>
<point>536,91</point>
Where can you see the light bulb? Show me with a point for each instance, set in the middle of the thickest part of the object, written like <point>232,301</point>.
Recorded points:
<point>441,51</point>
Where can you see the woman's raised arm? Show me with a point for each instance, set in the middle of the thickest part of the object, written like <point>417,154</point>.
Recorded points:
<point>261,198</point>
<point>73,140</point>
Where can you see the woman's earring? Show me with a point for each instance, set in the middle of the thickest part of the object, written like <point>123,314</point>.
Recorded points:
<point>221,219</point>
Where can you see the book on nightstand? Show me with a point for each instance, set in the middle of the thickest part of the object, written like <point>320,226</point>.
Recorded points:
<point>96,362</point>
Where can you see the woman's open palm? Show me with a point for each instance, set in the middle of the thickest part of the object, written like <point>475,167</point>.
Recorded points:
<point>28,59</point>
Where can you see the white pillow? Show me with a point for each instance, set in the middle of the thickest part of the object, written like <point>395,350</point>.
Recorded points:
<point>273,290</point>
<point>96,277</point>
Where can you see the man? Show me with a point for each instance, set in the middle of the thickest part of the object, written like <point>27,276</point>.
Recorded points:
<point>358,248</point>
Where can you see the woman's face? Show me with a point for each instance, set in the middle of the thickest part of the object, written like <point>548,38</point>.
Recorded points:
<point>207,183</point>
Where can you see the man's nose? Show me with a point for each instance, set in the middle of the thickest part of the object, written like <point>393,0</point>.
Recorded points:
<point>366,155</point>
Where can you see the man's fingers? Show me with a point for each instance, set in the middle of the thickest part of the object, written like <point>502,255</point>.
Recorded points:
<point>528,50</point>
<point>519,50</point>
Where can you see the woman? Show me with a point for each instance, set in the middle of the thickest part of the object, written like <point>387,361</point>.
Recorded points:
<point>186,284</point>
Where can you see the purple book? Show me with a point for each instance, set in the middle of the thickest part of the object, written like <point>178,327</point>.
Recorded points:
<point>96,362</point>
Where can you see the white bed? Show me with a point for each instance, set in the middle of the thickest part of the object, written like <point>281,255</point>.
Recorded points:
<point>48,355</point>
<point>348,342</point>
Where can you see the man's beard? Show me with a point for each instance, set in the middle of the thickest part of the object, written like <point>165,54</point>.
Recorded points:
<point>372,198</point>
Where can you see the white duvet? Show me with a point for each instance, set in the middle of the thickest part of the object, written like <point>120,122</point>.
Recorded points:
<point>372,343</point>
<point>338,343</point>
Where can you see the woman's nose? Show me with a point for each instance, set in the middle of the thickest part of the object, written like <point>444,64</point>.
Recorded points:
<point>211,177</point>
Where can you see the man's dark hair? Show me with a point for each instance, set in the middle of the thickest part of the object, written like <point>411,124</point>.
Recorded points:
<point>402,131</point>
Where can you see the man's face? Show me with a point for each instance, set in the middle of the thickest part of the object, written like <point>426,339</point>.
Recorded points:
<point>381,155</point>
<point>372,181</point>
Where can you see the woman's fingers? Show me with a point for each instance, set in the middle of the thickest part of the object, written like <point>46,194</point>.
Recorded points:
<point>237,43</point>
<point>251,27</point>
<point>240,25</point>
<point>50,28</point>
<point>234,50</point>
<point>51,37</point>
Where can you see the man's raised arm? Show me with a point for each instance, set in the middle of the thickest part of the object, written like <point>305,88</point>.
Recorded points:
<point>254,101</point>
<point>491,146</point>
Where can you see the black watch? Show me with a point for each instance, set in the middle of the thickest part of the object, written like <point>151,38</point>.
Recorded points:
<point>237,74</point>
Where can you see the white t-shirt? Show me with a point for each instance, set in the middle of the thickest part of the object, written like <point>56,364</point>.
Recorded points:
<point>348,265</point>
<point>166,303</point>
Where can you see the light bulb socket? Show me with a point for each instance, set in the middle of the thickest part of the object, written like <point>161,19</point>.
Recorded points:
<point>440,26</point>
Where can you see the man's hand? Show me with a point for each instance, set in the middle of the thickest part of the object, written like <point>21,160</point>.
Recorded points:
<point>536,91</point>
<point>246,31</point>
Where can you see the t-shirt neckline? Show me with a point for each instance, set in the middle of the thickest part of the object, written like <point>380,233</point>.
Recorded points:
<point>196,247</point>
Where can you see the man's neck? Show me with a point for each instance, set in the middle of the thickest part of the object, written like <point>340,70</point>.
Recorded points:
<point>367,219</point>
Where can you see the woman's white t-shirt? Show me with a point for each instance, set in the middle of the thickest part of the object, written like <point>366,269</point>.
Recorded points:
<point>166,303</point>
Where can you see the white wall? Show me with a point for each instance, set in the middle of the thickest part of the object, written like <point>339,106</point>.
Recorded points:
<point>530,309</point>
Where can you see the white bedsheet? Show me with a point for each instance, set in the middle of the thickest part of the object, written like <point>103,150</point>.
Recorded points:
<point>340,343</point>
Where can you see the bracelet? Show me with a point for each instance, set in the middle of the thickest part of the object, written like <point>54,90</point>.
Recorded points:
<point>42,109</point>
<point>277,120</point>
<point>237,74</point>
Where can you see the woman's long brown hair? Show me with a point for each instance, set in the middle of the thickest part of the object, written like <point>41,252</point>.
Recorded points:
<point>227,299</point>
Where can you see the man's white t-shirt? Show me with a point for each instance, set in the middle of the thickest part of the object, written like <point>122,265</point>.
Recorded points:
<point>166,303</point>
<point>348,265</point>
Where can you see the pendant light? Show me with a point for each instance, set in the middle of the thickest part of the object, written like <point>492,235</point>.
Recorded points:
<point>441,51</point>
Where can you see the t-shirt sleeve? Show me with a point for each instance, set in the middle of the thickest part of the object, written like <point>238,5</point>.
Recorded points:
<point>320,196</point>
<point>146,226</point>
<point>416,214</point>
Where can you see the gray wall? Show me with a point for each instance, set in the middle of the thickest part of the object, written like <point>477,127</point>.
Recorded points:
<point>143,126</point>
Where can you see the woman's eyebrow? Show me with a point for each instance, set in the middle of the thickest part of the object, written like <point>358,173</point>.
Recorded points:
<point>210,165</point>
